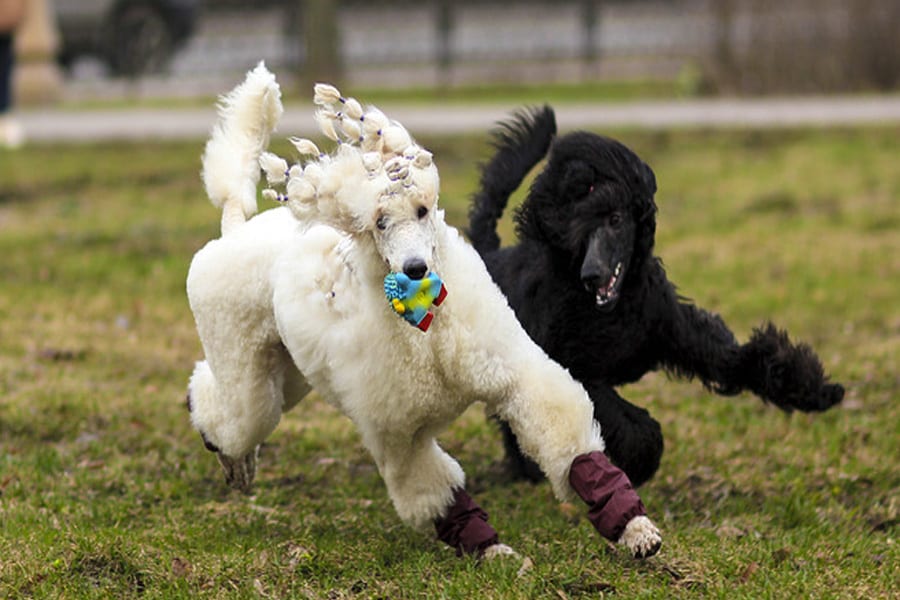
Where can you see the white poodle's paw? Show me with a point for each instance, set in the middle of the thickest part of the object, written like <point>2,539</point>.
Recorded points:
<point>641,537</point>
<point>239,472</point>
<point>497,550</point>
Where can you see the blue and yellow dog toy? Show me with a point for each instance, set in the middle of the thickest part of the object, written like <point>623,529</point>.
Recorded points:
<point>411,298</point>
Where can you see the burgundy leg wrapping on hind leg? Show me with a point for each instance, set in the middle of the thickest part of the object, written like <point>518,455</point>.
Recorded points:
<point>465,526</point>
<point>611,499</point>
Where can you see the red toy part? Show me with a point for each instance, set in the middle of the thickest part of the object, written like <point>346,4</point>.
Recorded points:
<point>426,321</point>
<point>441,296</point>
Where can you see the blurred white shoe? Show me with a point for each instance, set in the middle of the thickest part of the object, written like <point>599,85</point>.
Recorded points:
<point>11,134</point>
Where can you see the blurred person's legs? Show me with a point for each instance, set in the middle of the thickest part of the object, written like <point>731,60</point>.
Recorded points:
<point>10,131</point>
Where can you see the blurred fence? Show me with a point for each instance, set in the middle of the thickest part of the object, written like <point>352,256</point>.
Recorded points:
<point>446,42</point>
<point>722,45</point>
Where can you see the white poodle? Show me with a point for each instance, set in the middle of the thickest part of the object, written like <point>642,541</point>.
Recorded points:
<point>294,299</point>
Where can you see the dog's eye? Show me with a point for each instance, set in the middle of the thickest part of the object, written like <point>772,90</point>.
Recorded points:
<point>422,212</point>
<point>615,219</point>
<point>381,223</point>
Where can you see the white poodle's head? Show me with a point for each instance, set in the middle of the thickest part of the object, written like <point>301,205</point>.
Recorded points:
<point>403,226</point>
<point>378,182</point>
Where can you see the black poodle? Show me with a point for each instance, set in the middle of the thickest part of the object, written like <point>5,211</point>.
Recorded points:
<point>586,286</point>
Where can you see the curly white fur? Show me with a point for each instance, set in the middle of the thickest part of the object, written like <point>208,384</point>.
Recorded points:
<point>292,300</point>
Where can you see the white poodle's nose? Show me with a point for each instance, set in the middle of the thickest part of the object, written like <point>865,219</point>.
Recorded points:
<point>415,268</point>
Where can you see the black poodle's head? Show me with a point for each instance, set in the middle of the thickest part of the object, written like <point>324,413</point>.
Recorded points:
<point>593,203</point>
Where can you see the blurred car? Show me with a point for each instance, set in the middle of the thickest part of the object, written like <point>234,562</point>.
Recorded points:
<point>132,37</point>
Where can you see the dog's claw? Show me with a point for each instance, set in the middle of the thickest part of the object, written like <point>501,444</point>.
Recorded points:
<point>641,537</point>
<point>497,550</point>
<point>648,551</point>
<point>239,472</point>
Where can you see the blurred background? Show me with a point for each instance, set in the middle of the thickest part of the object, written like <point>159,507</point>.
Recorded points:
<point>142,48</point>
<point>105,489</point>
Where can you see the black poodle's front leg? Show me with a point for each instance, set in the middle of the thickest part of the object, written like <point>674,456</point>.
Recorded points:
<point>697,343</point>
<point>634,440</point>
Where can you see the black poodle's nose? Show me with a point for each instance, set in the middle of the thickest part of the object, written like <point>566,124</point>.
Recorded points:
<point>415,268</point>
<point>594,275</point>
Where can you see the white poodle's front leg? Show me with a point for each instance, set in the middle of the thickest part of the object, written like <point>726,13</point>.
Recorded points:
<point>552,417</point>
<point>239,472</point>
<point>420,477</point>
<point>426,486</point>
<point>614,507</point>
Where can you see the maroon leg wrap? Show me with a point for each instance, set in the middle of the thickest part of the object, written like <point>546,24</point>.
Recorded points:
<point>465,526</point>
<point>611,499</point>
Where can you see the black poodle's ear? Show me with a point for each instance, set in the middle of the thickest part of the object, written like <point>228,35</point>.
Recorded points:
<point>562,182</point>
<point>648,177</point>
<point>645,212</point>
<point>575,180</point>
<point>645,191</point>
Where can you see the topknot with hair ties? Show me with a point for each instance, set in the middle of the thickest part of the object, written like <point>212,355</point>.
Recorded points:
<point>366,139</point>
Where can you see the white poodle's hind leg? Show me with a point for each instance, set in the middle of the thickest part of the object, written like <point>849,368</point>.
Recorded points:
<point>236,415</point>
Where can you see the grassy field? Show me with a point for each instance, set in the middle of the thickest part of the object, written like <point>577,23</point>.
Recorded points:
<point>106,492</point>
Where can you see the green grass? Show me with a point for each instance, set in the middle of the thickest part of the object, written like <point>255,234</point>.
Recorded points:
<point>105,491</point>
<point>509,94</point>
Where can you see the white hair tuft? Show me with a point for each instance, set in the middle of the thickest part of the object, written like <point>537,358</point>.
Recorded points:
<point>353,109</point>
<point>396,138</point>
<point>325,94</point>
<point>325,121</point>
<point>352,129</point>
<point>374,121</point>
<point>275,168</point>
<point>423,159</point>
<point>305,146</point>
<point>314,173</point>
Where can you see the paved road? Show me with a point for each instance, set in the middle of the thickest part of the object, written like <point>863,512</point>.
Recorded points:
<point>62,125</point>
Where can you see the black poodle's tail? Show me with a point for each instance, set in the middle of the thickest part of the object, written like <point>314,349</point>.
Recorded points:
<point>787,375</point>
<point>520,143</point>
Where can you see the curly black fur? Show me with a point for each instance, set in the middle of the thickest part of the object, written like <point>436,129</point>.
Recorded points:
<point>586,286</point>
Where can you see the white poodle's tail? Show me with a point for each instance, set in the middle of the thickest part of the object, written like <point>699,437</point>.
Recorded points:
<point>247,118</point>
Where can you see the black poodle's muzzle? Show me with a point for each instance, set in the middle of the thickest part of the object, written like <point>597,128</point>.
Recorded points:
<point>604,287</point>
<point>602,273</point>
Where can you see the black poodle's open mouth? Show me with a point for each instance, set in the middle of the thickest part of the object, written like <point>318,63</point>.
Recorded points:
<point>608,294</point>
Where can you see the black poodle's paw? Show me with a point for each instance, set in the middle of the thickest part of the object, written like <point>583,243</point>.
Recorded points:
<point>833,394</point>
<point>787,375</point>
<point>804,399</point>
<point>828,396</point>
